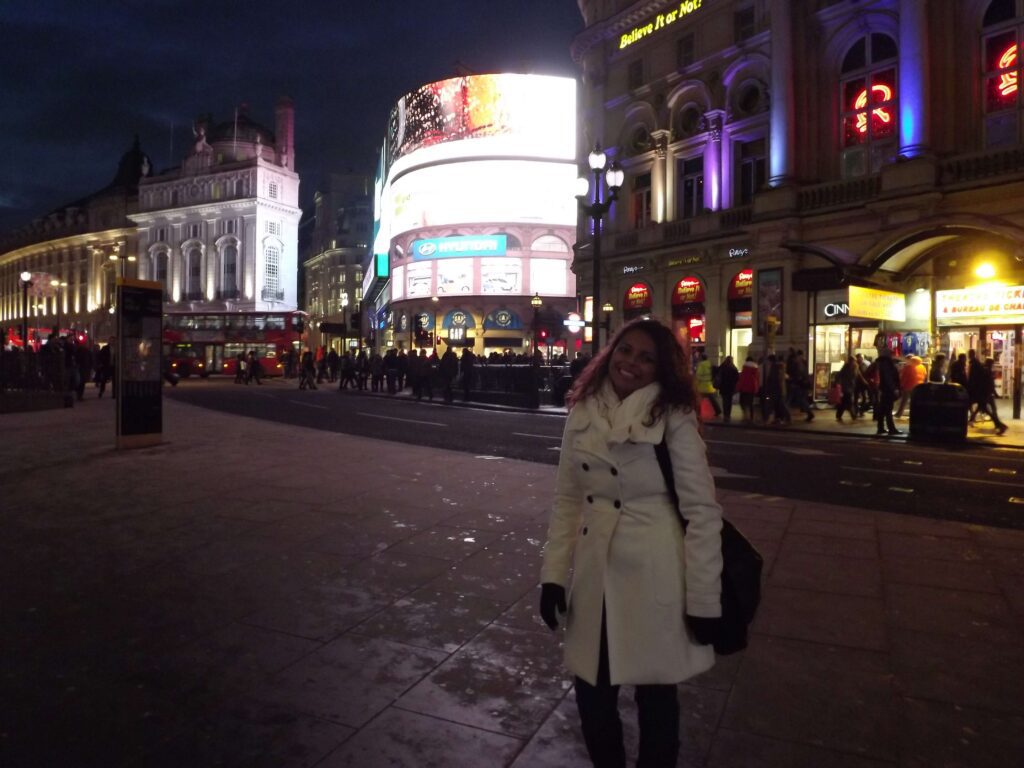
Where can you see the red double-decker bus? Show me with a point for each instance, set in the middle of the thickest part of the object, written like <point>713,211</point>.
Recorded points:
<point>210,342</point>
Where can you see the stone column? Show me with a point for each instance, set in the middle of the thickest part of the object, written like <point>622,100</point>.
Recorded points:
<point>915,117</point>
<point>659,177</point>
<point>780,171</point>
<point>714,178</point>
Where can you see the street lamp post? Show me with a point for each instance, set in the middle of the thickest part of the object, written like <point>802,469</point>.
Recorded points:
<point>344,321</point>
<point>606,318</point>
<point>435,301</point>
<point>613,178</point>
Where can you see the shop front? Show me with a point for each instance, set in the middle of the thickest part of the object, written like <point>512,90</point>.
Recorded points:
<point>988,319</point>
<point>739,298</point>
<point>689,314</point>
<point>857,320</point>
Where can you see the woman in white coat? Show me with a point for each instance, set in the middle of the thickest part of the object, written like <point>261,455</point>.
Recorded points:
<point>635,574</point>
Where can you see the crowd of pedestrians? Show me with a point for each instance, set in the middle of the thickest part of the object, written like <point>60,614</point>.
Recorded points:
<point>64,364</point>
<point>881,388</point>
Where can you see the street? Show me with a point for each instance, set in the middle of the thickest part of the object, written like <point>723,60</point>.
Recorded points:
<point>968,484</point>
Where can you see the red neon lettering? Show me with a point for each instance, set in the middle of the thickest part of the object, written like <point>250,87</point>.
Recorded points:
<point>1008,80</point>
<point>862,101</point>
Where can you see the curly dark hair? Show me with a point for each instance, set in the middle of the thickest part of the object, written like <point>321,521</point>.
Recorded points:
<point>672,370</point>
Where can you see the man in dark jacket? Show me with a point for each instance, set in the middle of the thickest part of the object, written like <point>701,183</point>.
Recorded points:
<point>888,391</point>
<point>449,369</point>
<point>467,367</point>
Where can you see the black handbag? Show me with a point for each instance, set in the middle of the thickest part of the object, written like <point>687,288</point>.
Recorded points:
<point>741,572</point>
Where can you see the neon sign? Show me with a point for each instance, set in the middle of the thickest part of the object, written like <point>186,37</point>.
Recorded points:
<point>885,94</point>
<point>1008,80</point>
<point>659,22</point>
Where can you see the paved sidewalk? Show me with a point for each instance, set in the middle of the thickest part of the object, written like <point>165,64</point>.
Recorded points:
<point>255,594</point>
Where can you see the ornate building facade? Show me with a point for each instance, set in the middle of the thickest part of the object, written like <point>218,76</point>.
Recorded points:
<point>829,175</point>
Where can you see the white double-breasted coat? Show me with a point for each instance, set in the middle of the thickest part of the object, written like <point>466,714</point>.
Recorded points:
<point>613,525</point>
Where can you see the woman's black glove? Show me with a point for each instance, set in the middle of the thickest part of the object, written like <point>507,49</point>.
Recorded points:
<point>704,630</point>
<point>552,600</point>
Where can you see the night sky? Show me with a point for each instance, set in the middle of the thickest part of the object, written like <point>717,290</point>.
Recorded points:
<point>79,78</point>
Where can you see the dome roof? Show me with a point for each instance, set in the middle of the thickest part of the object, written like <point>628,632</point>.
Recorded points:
<point>247,130</point>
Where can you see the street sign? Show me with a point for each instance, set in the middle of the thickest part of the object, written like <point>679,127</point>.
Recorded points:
<point>574,322</point>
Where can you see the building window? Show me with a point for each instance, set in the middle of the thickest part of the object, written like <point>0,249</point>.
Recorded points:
<point>743,24</point>
<point>752,163</point>
<point>193,230</point>
<point>195,263</point>
<point>161,267</point>
<point>635,74</point>
<point>273,228</point>
<point>1000,50</point>
<point>359,276</point>
<point>869,105</point>
<point>550,244</point>
<point>161,235</point>
<point>228,281</point>
<point>272,190</point>
<point>641,200</point>
<point>685,54</point>
<point>272,269</point>
<point>341,278</point>
<point>690,199</point>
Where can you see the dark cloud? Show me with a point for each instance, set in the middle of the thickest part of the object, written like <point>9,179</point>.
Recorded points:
<point>81,78</point>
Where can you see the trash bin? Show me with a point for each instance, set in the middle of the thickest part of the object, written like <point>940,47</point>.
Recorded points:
<point>939,412</point>
<point>562,385</point>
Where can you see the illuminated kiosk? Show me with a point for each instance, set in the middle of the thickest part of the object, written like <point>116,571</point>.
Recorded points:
<point>474,215</point>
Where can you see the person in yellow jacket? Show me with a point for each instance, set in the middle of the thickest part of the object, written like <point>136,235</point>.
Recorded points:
<point>706,388</point>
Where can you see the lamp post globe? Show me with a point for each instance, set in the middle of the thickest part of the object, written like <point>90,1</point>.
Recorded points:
<point>611,180</point>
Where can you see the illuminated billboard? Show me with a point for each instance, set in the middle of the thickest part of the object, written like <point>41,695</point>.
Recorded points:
<point>459,245</point>
<point>508,114</point>
<point>479,191</point>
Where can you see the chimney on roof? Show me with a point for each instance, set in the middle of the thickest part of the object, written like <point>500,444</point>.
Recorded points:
<point>285,132</point>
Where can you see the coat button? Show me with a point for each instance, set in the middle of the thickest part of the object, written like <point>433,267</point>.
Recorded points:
<point>586,467</point>
<point>614,471</point>
<point>618,503</point>
<point>584,530</point>
<point>590,499</point>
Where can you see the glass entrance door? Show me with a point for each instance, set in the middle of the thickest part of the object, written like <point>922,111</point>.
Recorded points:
<point>1001,345</point>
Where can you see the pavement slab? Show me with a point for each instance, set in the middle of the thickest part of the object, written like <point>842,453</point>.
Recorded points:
<point>204,603</point>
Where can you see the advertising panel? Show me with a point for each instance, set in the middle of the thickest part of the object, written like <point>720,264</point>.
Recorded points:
<point>549,277</point>
<point>638,297</point>
<point>459,245</point>
<point>873,304</point>
<point>995,303</point>
<point>454,276</point>
<point>742,285</point>
<point>419,279</point>
<point>527,115</point>
<point>482,191</point>
<point>501,276</point>
<point>689,290</point>
<point>398,284</point>
<point>769,302</point>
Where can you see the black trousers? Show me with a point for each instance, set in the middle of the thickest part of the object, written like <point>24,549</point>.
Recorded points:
<point>657,711</point>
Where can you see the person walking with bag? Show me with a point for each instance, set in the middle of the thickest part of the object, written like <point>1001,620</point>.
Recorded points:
<point>749,385</point>
<point>645,600</point>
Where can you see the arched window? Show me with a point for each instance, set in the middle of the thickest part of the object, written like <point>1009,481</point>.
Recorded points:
<point>550,244</point>
<point>272,274</point>
<point>161,268</point>
<point>229,270</point>
<point>511,241</point>
<point>869,105</point>
<point>1002,37</point>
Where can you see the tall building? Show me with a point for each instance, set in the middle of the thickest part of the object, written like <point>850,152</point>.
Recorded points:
<point>474,217</point>
<point>834,176</point>
<point>221,231</point>
<point>333,267</point>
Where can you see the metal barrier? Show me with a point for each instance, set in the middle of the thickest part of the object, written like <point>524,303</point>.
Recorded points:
<point>32,380</point>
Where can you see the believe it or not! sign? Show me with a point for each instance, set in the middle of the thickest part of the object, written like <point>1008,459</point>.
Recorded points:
<point>659,22</point>
<point>638,297</point>
<point>689,290</point>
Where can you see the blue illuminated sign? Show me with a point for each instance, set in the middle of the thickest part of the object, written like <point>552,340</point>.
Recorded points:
<point>459,245</point>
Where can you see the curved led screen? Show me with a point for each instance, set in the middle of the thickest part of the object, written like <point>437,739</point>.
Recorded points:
<point>525,115</point>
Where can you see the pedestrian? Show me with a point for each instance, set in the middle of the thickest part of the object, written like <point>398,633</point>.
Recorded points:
<point>987,395</point>
<point>332,365</point>
<point>847,381</point>
<point>348,371</point>
<point>888,389</point>
<point>958,370</point>
<point>975,384</point>
<point>937,373</point>
<point>391,370</point>
<point>254,371</point>
<point>104,367</point>
<point>307,370</point>
<point>798,382</point>
<point>240,368</point>
<point>863,392</point>
<point>774,392</point>
<point>448,369</point>
<point>467,368</point>
<point>362,369</point>
<point>414,374</point>
<point>641,612</point>
<point>428,372</point>
<point>728,377</point>
<point>912,373</point>
<point>403,369</point>
<point>321,364</point>
<point>748,385</point>
<point>376,372</point>
<point>84,362</point>
<point>706,384</point>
